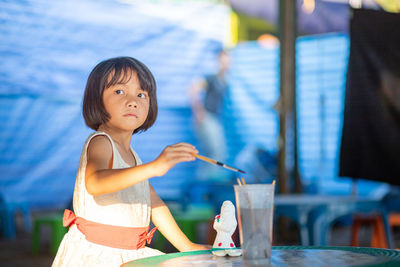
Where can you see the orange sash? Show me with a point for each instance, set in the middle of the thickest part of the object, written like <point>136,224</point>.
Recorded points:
<point>109,235</point>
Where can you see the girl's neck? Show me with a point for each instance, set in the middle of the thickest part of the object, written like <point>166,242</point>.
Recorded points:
<point>123,139</point>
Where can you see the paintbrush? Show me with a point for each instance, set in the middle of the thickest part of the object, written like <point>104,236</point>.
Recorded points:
<point>218,163</point>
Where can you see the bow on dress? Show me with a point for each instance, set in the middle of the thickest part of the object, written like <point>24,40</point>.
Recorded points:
<point>69,218</point>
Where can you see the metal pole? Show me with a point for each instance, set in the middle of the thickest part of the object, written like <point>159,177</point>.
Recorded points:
<point>287,114</point>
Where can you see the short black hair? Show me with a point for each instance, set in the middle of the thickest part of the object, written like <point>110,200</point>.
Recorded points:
<point>108,73</point>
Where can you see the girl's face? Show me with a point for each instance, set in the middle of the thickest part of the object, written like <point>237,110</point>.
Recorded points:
<point>127,104</point>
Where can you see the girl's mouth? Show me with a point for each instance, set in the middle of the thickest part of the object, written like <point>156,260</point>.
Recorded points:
<point>130,115</point>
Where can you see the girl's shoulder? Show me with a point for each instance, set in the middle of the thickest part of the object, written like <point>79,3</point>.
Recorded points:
<point>99,149</point>
<point>99,142</point>
<point>99,135</point>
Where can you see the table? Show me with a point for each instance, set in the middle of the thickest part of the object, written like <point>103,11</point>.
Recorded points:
<point>283,256</point>
<point>315,214</point>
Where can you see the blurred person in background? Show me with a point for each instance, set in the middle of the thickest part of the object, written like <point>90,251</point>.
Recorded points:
<point>207,97</point>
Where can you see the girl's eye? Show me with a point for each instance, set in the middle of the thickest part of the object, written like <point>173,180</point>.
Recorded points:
<point>119,92</point>
<point>142,95</point>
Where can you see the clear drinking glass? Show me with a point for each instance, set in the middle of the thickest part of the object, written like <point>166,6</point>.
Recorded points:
<point>255,204</point>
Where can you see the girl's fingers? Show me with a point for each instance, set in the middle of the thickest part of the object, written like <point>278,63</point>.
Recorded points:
<point>183,147</point>
<point>176,153</point>
<point>179,156</point>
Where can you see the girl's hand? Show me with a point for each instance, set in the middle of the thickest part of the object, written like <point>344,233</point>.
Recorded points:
<point>194,247</point>
<point>172,155</point>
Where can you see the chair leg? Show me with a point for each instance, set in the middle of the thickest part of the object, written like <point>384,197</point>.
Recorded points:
<point>159,243</point>
<point>354,232</point>
<point>27,217</point>
<point>379,234</point>
<point>387,230</point>
<point>375,239</point>
<point>35,238</point>
<point>9,231</point>
<point>189,228</point>
<point>58,232</point>
<point>212,233</point>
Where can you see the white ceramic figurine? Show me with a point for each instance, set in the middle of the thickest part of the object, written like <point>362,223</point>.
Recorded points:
<point>225,225</point>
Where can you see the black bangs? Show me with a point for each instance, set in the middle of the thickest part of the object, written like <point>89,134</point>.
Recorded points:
<point>146,81</point>
<point>120,74</point>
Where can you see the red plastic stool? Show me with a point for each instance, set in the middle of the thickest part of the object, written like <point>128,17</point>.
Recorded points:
<point>378,239</point>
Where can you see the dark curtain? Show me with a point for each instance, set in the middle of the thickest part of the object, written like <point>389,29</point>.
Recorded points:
<point>370,145</point>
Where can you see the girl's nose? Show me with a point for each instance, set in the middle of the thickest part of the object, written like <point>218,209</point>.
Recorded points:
<point>132,105</point>
<point>132,102</point>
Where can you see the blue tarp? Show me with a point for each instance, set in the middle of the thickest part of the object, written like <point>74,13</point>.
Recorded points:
<point>47,50</point>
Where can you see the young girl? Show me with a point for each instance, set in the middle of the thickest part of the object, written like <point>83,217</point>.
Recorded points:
<point>113,200</point>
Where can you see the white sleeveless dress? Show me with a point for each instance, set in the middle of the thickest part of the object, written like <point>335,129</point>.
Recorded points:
<point>129,207</point>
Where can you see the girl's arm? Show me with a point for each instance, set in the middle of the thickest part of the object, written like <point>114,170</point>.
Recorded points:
<point>100,178</point>
<point>162,218</point>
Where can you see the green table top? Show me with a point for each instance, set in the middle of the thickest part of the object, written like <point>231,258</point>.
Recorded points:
<point>283,256</point>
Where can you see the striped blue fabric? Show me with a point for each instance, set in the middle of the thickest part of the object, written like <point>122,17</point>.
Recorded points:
<point>321,77</point>
<point>49,48</point>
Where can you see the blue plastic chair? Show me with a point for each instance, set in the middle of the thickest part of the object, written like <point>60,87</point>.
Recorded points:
<point>324,216</point>
<point>315,214</point>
